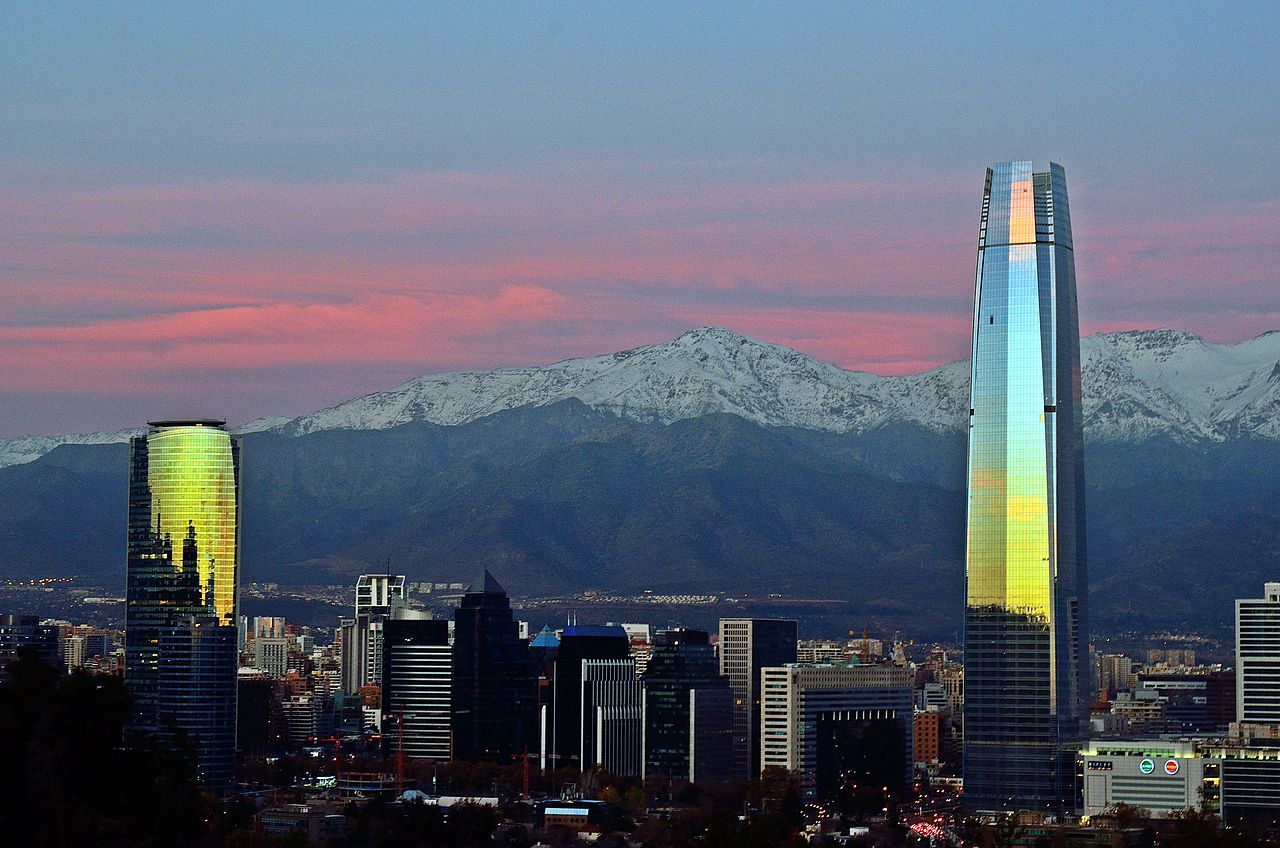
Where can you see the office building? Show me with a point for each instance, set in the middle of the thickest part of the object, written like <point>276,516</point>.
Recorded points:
<point>256,727</point>
<point>18,632</point>
<point>268,627</point>
<point>1160,776</point>
<point>416,686</point>
<point>612,709</point>
<point>196,696</point>
<point>185,478</point>
<point>495,684</point>
<point>379,592</point>
<point>379,598</point>
<point>833,724</point>
<point>746,646</point>
<point>271,655</point>
<point>688,709</point>
<point>561,735</point>
<point>1027,674</point>
<point>184,493</point>
<point>1258,657</point>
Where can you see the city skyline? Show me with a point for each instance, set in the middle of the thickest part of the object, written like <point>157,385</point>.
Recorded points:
<point>480,190</point>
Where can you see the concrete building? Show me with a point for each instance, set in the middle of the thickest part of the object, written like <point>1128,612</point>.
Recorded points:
<point>1258,657</point>
<point>926,736</point>
<point>271,655</point>
<point>825,721</point>
<point>748,645</point>
<point>1162,777</point>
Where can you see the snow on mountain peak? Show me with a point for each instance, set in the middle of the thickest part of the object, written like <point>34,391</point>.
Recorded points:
<point>1138,385</point>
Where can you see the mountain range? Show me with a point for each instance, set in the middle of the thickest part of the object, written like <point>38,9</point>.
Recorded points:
<point>715,462</point>
<point>1138,385</point>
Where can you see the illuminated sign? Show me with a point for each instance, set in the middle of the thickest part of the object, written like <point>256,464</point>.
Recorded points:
<point>1098,765</point>
<point>1147,766</point>
<point>1170,767</point>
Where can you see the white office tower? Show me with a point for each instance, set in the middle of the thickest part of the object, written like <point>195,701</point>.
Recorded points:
<point>379,598</point>
<point>1258,657</point>
<point>379,591</point>
<point>612,704</point>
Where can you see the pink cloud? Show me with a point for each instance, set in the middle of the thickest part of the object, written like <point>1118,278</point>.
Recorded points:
<point>136,288</point>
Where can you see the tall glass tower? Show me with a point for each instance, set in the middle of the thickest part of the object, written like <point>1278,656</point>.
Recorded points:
<point>1026,669</point>
<point>182,577</point>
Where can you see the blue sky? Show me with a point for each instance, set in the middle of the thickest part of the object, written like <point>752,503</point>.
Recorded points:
<point>237,198</point>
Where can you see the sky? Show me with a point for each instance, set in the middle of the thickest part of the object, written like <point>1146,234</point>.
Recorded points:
<point>237,210</point>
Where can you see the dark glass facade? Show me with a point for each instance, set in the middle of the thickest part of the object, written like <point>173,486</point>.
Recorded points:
<point>563,735</point>
<point>1026,669</point>
<point>688,709</point>
<point>495,684</point>
<point>196,695</point>
<point>19,632</point>
<point>417,673</point>
<point>181,586</point>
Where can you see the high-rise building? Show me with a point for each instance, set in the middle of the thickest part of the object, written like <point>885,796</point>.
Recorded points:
<point>271,655</point>
<point>836,722</point>
<point>612,711</point>
<point>1026,664</point>
<point>184,489</point>
<point>25,631</point>
<point>379,591</point>
<point>562,732</point>
<point>746,646</point>
<point>196,696</point>
<point>495,683</point>
<point>1258,657</point>
<point>379,598</point>
<point>268,627</point>
<point>688,709</point>
<point>416,684</point>
<point>185,476</point>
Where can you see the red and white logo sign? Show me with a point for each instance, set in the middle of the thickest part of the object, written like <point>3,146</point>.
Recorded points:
<point>1170,767</point>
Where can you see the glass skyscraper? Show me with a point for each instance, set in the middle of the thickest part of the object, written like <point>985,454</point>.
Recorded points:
<point>1026,669</point>
<point>182,577</point>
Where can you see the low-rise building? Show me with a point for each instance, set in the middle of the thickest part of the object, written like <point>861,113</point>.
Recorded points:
<point>1161,777</point>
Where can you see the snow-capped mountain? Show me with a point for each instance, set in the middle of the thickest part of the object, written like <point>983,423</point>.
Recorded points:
<point>1138,385</point>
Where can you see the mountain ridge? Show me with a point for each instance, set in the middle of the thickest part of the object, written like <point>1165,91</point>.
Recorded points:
<point>1138,385</point>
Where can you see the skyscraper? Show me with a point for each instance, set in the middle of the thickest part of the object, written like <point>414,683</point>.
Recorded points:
<point>181,612</point>
<point>1258,657</point>
<point>561,737</point>
<point>417,676</point>
<point>495,683</point>
<point>688,709</point>
<point>186,474</point>
<point>746,646</point>
<point>380,598</point>
<point>1026,667</point>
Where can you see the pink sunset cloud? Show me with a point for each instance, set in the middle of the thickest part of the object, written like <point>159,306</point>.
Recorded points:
<point>326,290</point>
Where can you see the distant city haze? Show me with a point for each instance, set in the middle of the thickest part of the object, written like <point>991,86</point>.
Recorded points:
<point>205,216</point>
